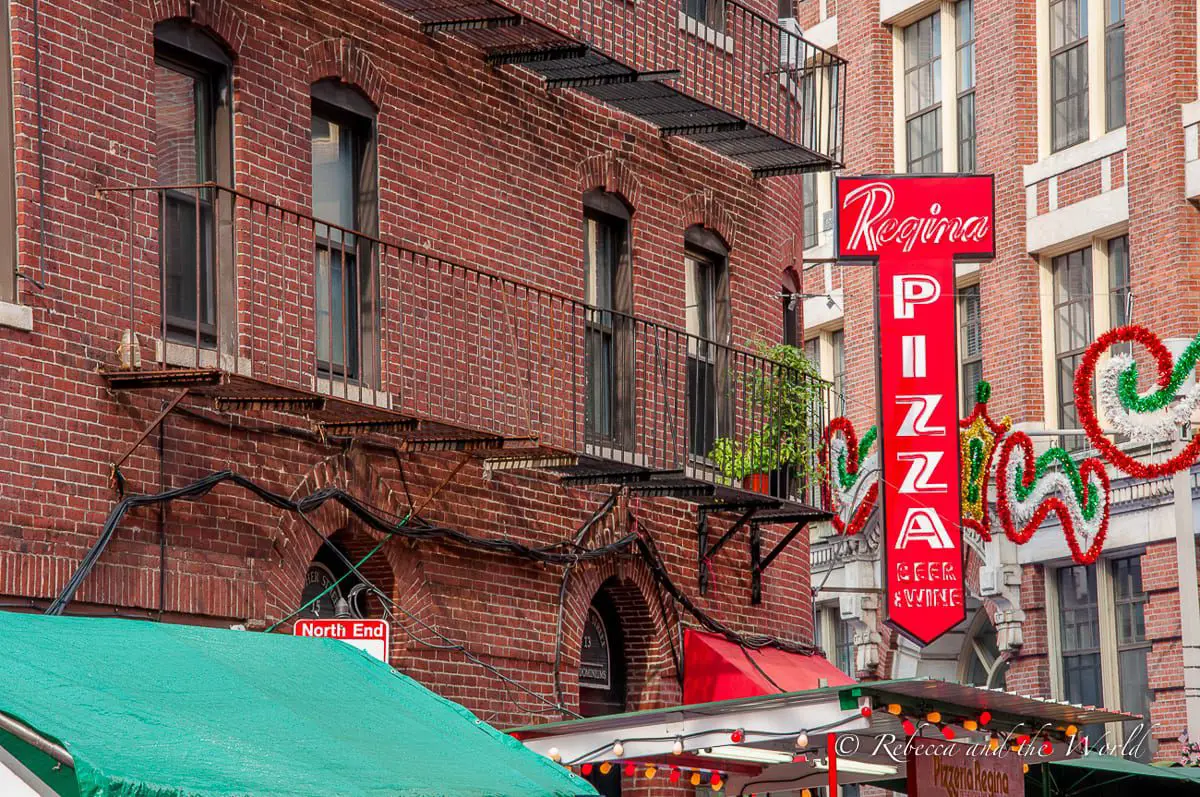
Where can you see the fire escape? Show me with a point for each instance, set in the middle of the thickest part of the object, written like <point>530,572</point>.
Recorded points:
<point>433,356</point>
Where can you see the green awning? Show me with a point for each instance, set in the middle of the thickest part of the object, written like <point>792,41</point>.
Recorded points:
<point>161,710</point>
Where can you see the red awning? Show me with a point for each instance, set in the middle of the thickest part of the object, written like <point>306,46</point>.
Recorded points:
<point>716,669</point>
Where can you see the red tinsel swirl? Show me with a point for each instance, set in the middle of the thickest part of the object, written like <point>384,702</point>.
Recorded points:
<point>1084,391</point>
<point>1021,535</point>
<point>843,426</point>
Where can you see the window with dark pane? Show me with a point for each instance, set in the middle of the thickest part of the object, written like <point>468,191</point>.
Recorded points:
<point>964,33</point>
<point>343,200</point>
<point>845,648</point>
<point>922,94</point>
<point>191,75</point>
<point>837,340</point>
<point>1079,632</point>
<point>707,326</point>
<point>1133,648</point>
<point>1068,73</point>
<point>970,343</point>
<point>1119,294</point>
<point>812,228</point>
<point>608,302</point>
<point>708,12</point>
<point>1114,63</point>
<point>1072,332</point>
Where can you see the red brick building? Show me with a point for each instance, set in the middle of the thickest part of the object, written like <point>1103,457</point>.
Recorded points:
<point>480,267</point>
<point>1086,113</point>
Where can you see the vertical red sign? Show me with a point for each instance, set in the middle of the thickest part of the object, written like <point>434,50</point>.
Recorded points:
<point>914,229</point>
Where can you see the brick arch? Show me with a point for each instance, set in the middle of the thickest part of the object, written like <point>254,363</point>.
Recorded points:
<point>401,562</point>
<point>611,173</point>
<point>220,18</point>
<point>704,209</point>
<point>341,57</point>
<point>651,677</point>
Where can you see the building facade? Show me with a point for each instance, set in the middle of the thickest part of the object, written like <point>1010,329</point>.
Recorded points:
<point>464,293</point>
<point>1086,113</point>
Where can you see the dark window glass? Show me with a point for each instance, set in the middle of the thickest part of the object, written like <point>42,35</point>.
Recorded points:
<point>603,677</point>
<point>964,26</point>
<point>1114,63</point>
<point>707,325</point>
<point>1132,650</point>
<point>341,186</point>
<point>812,225</point>
<point>1072,332</point>
<point>605,239</point>
<point>1068,73</point>
<point>185,97</point>
<point>845,648</point>
<point>1119,293</point>
<point>837,340</point>
<point>970,343</point>
<point>1079,626</point>
<point>923,94</point>
<point>708,12</point>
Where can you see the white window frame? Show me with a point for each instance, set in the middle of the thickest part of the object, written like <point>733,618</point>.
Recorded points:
<point>1110,680</point>
<point>1097,85</point>
<point>1101,312</point>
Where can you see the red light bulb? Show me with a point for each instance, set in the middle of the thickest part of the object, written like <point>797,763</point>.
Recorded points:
<point>948,732</point>
<point>737,736</point>
<point>630,769</point>
<point>586,769</point>
<point>908,727</point>
<point>985,717</point>
<point>674,775</point>
<point>1047,747</point>
<point>866,711</point>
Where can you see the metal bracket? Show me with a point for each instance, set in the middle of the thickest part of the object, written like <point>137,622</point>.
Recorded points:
<point>706,554</point>
<point>759,563</point>
<point>115,476</point>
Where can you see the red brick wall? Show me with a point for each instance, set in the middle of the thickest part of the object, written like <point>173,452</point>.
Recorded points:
<point>478,164</point>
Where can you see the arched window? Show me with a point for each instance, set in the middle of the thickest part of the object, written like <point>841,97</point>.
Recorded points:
<point>981,663</point>
<point>608,294</point>
<point>348,595</point>
<point>706,276</point>
<point>345,195</point>
<point>192,146</point>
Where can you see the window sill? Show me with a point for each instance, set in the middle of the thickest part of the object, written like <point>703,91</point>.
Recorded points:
<point>1073,157</point>
<point>906,12</point>
<point>16,316</point>
<point>695,27</point>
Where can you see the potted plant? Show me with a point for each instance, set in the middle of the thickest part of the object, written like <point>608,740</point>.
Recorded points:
<point>788,397</point>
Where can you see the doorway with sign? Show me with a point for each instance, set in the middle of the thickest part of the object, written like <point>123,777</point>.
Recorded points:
<point>602,676</point>
<point>342,593</point>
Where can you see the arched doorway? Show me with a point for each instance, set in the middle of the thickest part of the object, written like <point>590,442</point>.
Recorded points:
<point>603,679</point>
<point>348,595</point>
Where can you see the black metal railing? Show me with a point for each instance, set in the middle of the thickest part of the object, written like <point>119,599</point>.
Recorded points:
<point>444,342</point>
<point>714,71</point>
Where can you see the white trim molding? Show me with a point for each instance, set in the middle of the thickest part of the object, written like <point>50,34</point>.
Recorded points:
<point>904,12</point>
<point>1191,150</point>
<point>1076,224</point>
<point>16,316</point>
<point>824,34</point>
<point>1073,157</point>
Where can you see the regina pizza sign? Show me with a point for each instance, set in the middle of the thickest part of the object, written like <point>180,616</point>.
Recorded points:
<point>914,228</point>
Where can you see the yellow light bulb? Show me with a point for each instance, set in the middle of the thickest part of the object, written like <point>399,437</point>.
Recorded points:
<point>695,778</point>
<point>1072,730</point>
<point>651,771</point>
<point>894,708</point>
<point>993,743</point>
<point>934,717</point>
<point>1025,768</point>
<point>805,793</point>
<point>970,725</point>
<point>605,768</point>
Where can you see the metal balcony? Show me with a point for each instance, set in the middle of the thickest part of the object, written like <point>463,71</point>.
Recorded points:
<point>737,83</point>
<point>432,355</point>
